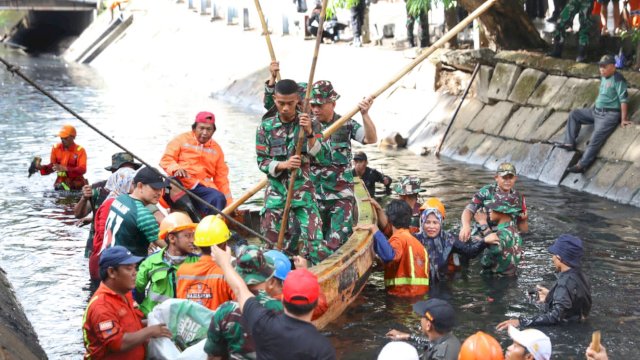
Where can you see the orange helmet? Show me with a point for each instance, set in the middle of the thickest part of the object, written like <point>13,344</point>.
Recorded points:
<point>434,203</point>
<point>176,221</point>
<point>481,346</point>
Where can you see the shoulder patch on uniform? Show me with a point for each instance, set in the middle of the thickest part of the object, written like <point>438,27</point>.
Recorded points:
<point>105,325</point>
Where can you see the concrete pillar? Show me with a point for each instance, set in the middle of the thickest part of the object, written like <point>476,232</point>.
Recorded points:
<point>203,7</point>
<point>216,10</point>
<point>231,14</point>
<point>245,19</point>
<point>190,4</point>
<point>285,24</point>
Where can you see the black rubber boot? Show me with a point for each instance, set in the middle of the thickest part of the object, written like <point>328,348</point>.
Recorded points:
<point>557,49</point>
<point>582,53</point>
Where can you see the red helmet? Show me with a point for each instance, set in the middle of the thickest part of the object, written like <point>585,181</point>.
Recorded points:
<point>481,346</point>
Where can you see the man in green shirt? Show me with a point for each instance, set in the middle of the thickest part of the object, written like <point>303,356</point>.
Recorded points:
<point>611,109</point>
<point>130,223</point>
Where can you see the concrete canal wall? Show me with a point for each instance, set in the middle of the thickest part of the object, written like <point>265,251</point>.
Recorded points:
<point>518,102</point>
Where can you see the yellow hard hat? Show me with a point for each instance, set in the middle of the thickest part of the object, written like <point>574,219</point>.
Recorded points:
<point>174,222</point>
<point>211,231</point>
<point>434,203</point>
<point>481,346</point>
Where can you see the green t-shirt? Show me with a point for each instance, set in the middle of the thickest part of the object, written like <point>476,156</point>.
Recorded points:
<point>613,92</point>
<point>131,225</point>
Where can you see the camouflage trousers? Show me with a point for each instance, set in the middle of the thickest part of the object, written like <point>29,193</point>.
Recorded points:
<point>583,9</point>
<point>337,220</point>
<point>303,235</point>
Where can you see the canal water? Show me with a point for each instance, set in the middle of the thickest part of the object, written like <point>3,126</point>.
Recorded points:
<point>42,249</point>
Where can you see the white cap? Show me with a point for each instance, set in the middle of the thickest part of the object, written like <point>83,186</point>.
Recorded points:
<point>535,341</point>
<point>398,350</point>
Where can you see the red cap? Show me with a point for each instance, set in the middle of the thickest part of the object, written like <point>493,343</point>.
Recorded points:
<point>205,117</point>
<point>301,287</point>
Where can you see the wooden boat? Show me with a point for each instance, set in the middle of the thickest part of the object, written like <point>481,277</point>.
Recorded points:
<point>343,274</point>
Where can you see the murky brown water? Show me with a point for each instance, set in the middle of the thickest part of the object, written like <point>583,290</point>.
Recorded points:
<point>42,250</point>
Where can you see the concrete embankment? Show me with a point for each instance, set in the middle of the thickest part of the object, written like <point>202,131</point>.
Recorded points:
<point>18,340</point>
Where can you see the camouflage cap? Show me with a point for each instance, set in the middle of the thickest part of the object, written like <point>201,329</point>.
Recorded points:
<point>253,266</point>
<point>322,92</point>
<point>506,169</point>
<point>408,185</point>
<point>121,158</point>
<point>509,203</point>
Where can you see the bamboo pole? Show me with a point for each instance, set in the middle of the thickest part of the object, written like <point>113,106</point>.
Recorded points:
<point>267,37</point>
<point>448,36</point>
<point>301,134</point>
<point>455,113</point>
<point>246,196</point>
<point>425,54</point>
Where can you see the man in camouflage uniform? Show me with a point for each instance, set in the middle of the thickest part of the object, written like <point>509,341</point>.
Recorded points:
<point>227,337</point>
<point>276,139</point>
<point>331,170</point>
<point>583,9</point>
<point>408,189</point>
<point>505,182</point>
<point>503,256</point>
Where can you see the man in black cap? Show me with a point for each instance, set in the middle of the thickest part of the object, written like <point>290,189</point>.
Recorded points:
<point>95,194</point>
<point>570,297</point>
<point>130,223</point>
<point>611,110</point>
<point>437,321</point>
<point>368,175</point>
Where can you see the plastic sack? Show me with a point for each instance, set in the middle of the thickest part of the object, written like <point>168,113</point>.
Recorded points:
<point>188,322</point>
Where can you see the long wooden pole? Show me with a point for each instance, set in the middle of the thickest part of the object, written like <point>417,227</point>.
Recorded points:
<point>455,113</point>
<point>301,134</point>
<point>246,196</point>
<point>448,36</point>
<point>267,37</point>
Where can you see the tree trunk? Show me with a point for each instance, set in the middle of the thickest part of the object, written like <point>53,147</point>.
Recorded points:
<point>507,26</point>
<point>451,20</point>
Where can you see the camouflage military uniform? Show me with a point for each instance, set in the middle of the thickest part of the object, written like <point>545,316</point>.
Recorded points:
<point>487,195</point>
<point>504,257</point>
<point>275,143</point>
<point>331,171</point>
<point>410,185</point>
<point>226,334</point>
<point>583,9</point>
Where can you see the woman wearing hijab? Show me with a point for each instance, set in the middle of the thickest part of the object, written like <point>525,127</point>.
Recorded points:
<point>120,182</point>
<point>444,248</point>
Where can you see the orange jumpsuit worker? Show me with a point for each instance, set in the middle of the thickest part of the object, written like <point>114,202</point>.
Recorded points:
<point>203,281</point>
<point>198,162</point>
<point>406,261</point>
<point>68,160</point>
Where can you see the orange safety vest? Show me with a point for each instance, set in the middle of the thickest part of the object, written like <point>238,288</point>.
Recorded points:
<point>634,13</point>
<point>204,163</point>
<point>203,282</point>
<point>407,274</point>
<point>75,160</point>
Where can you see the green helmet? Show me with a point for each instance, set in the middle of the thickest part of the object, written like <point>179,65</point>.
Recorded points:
<point>510,203</point>
<point>253,266</point>
<point>408,185</point>
<point>323,92</point>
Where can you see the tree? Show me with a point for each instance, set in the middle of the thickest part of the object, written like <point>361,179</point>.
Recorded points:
<point>506,25</point>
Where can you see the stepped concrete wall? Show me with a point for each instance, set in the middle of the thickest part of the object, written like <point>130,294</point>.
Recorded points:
<point>518,103</point>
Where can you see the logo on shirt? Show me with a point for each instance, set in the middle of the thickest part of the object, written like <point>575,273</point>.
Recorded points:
<point>200,293</point>
<point>105,325</point>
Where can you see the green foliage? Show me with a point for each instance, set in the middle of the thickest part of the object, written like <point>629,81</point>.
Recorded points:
<point>633,34</point>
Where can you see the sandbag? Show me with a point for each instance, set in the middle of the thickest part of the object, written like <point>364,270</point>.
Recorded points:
<point>188,322</point>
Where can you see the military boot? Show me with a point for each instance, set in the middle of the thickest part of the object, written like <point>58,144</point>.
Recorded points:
<point>582,53</point>
<point>557,49</point>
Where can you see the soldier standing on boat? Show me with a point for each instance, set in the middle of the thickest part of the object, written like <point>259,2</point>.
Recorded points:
<point>68,161</point>
<point>276,139</point>
<point>331,170</point>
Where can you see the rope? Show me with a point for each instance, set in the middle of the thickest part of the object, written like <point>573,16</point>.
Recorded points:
<point>16,70</point>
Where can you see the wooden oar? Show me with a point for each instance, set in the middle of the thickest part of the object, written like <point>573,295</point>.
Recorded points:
<point>246,196</point>
<point>267,37</point>
<point>301,134</point>
<point>595,341</point>
<point>330,130</point>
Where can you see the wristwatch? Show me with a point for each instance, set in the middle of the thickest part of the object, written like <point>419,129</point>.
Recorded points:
<point>484,228</point>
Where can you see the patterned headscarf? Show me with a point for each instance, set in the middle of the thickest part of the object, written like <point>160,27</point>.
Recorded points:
<point>120,182</point>
<point>439,247</point>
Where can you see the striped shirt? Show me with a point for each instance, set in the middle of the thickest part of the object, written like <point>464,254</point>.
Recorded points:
<point>131,225</point>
